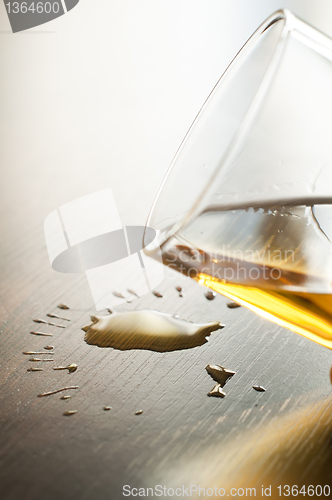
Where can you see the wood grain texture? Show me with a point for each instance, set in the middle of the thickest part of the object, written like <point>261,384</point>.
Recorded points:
<point>180,434</point>
<point>94,453</point>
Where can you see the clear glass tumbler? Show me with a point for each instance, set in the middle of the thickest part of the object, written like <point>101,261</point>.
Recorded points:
<point>246,205</point>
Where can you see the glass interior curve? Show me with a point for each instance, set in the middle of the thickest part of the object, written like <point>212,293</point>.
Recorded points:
<point>246,206</point>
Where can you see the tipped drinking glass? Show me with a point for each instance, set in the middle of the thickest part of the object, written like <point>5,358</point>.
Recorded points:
<point>246,205</point>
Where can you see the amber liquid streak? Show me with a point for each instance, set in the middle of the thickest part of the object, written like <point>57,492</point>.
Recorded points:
<point>305,313</point>
<point>201,252</point>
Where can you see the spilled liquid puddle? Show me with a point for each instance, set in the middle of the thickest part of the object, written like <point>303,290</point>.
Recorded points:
<point>220,375</point>
<point>147,329</point>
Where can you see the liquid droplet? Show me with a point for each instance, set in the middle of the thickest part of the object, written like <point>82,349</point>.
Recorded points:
<point>259,388</point>
<point>233,305</point>
<point>57,390</point>
<point>178,288</point>
<point>107,408</point>
<point>42,333</point>
<point>65,397</point>
<point>147,329</point>
<point>138,412</point>
<point>69,412</point>
<point>35,360</point>
<point>219,374</point>
<point>35,370</point>
<point>210,295</point>
<point>49,347</point>
<point>217,392</point>
<point>157,294</point>
<point>132,292</point>
<point>119,295</point>
<point>30,353</point>
<point>51,315</point>
<point>37,320</point>
<point>71,368</point>
<point>62,306</point>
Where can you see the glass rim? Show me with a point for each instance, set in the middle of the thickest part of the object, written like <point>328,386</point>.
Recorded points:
<point>306,34</point>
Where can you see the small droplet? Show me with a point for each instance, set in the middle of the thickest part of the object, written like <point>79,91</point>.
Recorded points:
<point>37,320</point>
<point>157,294</point>
<point>35,370</point>
<point>49,347</point>
<point>178,288</point>
<point>58,390</point>
<point>107,408</point>
<point>210,295</point>
<point>259,388</point>
<point>51,315</point>
<point>39,359</point>
<point>65,397</point>
<point>132,292</point>
<point>180,295</point>
<point>219,374</point>
<point>233,305</point>
<point>119,295</point>
<point>30,353</point>
<point>62,306</point>
<point>216,392</point>
<point>42,333</point>
<point>138,412</point>
<point>69,412</point>
<point>105,312</point>
<point>71,368</point>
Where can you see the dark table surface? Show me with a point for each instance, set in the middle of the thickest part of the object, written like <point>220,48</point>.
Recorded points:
<point>182,435</point>
<point>60,142</point>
